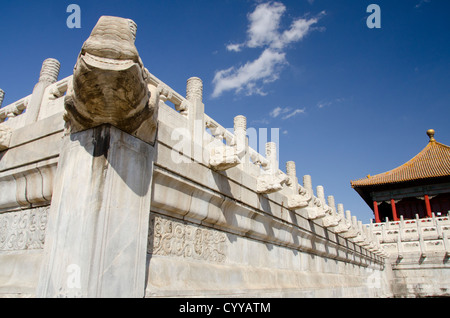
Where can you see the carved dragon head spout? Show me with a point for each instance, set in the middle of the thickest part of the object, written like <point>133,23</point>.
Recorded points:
<point>109,81</point>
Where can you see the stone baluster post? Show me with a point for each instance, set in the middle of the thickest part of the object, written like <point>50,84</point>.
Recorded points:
<point>271,180</point>
<point>223,157</point>
<point>321,195</point>
<point>401,227</point>
<point>340,209</point>
<point>333,219</point>
<point>423,249</point>
<point>328,220</point>
<point>240,134</point>
<point>271,156</point>
<point>292,174</point>
<point>240,131</point>
<point>313,211</point>
<point>348,217</point>
<point>433,218</point>
<point>307,184</point>
<point>194,89</point>
<point>399,247</point>
<point>370,237</point>
<point>446,244</point>
<point>331,203</point>
<point>363,232</point>
<point>291,169</point>
<point>49,75</point>
<point>342,226</point>
<point>354,222</point>
<point>439,229</point>
<point>196,118</point>
<point>2,96</point>
<point>352,231</point>
<point>383,232</point>
<point>299,199</point>
<point>371,234</point>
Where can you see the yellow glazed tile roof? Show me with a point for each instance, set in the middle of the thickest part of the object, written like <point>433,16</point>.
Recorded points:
<point>432,162</point>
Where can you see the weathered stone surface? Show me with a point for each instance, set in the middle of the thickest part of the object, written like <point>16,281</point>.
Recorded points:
<point>168,237</point>
<point>272,179</point>
<point>98,222</point>
<point>223,157</point>
<point>49,75</point>
<point>109,83</point>
<point>5,137</point>
<point>27,186</point>
<point>23,230</point>
<point>2,96</point>
<point>342,226</point>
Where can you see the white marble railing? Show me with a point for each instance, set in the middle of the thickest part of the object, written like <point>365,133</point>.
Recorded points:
<point>230,150</point>
<point>303,196</point>
<point>15,109</point>
<point>420,236</point>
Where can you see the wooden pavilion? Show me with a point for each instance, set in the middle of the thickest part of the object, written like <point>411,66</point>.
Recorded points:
<point>420,187</point>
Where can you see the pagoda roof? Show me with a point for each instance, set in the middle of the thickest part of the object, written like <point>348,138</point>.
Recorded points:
<point>432,162</point>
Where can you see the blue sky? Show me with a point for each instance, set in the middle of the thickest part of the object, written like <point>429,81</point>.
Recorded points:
<point>349,101</point>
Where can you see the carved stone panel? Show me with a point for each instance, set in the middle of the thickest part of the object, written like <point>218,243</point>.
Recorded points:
<point>168,237</point>
<point>23,230</point>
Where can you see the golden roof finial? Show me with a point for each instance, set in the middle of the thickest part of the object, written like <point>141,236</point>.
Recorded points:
<point>430,133</point>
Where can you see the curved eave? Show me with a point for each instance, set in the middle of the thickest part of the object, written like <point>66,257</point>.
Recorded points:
<point>432,162</point>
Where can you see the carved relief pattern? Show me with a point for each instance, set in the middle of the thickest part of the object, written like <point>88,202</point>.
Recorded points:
<point>5,137</point>
<point>194,89</point>
<point>173,238</point>
<point>50,71</point>
<point>23,230</point>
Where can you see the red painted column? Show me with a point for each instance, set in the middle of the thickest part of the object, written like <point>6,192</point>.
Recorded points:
<point>375,210</point>
<point>428,205</point>
<point>394,210</point>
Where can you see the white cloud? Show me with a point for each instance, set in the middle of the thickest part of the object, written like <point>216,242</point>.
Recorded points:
<point>287,112</point>
<point>422,2</point>
<point>323,104</point>
<point>276,112</point>
<point>299,29</point>
<point>263,32</point>
<point>264,28</point>
<point>266,68</point>
<point>293,113</point>
<point>338,100</point>
<point>234,47</point>
<point>264,24</point>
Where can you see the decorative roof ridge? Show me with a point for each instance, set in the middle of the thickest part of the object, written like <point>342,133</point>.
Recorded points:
<point>380,178</point>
